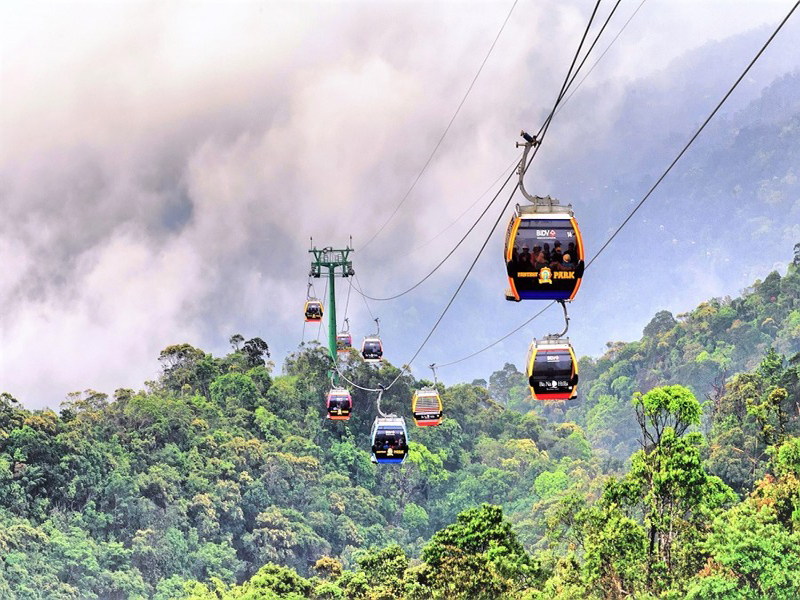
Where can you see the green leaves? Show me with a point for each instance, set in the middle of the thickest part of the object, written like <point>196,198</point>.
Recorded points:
<point>672,406</point>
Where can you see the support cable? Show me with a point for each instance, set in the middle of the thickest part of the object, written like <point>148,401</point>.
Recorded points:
<point>561,106</point>
<point>568,80</point>
<point>589,72</point>
<point>652,189</point>
<point>500,216</point>
<point>449,254</point>
<point>441,139</point>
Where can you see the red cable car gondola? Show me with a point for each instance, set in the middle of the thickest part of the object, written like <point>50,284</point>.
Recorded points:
<point>339,404</point>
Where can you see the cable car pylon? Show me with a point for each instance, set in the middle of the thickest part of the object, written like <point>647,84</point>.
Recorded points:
<point>331,259</point>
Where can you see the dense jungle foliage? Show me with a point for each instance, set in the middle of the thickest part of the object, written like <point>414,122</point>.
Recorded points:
<point>675,474</point>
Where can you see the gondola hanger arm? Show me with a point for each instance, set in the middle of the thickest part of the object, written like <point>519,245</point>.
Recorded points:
<point>531,141</point>
<point>381,389</point>
<point>566,322</point>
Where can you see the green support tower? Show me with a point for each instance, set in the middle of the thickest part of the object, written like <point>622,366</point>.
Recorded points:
<point>330,258</point>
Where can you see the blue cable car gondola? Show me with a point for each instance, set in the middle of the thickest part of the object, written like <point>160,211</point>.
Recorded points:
<point>389,440</point>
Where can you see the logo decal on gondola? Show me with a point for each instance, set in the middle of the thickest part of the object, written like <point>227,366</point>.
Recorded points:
<point>545,275</point>
<point>545,233</point>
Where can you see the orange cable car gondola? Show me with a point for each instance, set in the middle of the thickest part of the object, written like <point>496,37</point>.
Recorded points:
<point>313,310</point>
<point>544,251</point>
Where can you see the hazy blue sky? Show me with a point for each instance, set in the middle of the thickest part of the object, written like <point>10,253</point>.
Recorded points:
<point>162,166</point>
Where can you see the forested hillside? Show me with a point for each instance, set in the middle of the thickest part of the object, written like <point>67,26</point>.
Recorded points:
<point>675,474</point>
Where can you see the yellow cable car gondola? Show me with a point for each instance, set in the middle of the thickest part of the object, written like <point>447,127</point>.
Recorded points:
<point>552,370</point>
<point>313,310</point>
<point>426,407</point>
<point>544,252</point>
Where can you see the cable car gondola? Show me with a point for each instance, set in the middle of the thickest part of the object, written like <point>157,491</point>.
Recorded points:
<point>339,404</point>
<point>552,370</point>
<point>344,341</point>
<point>426,407</point>
<point>389,440</point>
<point>313,310</point>
<point>371,347</point>
<point>544,251</point>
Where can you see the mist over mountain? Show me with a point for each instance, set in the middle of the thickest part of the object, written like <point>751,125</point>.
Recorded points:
<point>136,219</point>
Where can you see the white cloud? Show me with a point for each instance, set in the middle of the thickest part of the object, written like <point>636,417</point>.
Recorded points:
<point>163,165</point>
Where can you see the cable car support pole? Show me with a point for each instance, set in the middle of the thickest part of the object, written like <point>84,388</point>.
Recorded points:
<point>332,319</point>
<point>331,259</point>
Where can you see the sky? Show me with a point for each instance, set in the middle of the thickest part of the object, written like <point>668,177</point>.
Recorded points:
<point>163,167</point>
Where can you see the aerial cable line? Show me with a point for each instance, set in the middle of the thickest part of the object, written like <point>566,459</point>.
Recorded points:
<point>364,297</point>
<point>496,223</point>
<point>696,133</point>
<point>449,254</point>
<point>516,161</point>
<point>589,72</point>
<point>447,129</point>
<point>497,341</point>
<point>568,80</point>
<point>652,189</point>
<point>347,304</point>
<point>470,207</point>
